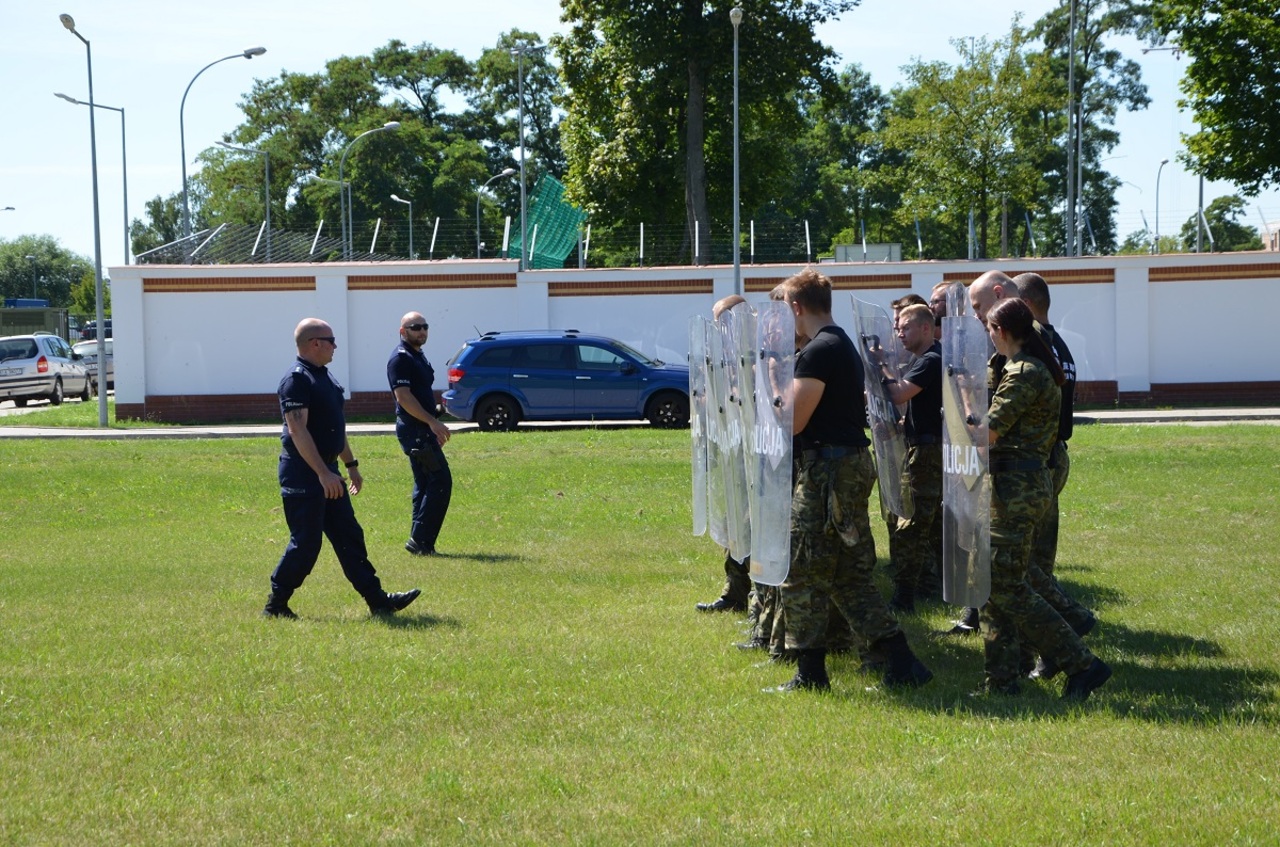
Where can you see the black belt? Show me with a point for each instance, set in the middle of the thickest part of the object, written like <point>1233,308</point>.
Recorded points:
<point>831,451</point>
<point>1008,465</point>
<point>920,440</point>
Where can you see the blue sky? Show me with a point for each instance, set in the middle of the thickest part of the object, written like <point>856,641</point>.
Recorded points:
<point>145,52</point>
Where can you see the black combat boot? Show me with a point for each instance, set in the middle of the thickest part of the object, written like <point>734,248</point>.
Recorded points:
<point>278,606</point>
<point>391,603</point>
<point>905,670</point>
<point>1080,685</point>
<point>811,673</point>
<point>904,598</point>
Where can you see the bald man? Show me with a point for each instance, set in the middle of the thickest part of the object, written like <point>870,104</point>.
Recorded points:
<point>317,500</point>
<point>421,434</point>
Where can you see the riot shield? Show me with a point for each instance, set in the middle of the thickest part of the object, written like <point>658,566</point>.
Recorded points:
<point>770,465</point>
<point>717,423</point>
<point>698,419</point>
<point>958,300</point>
<point>733,393</point>
<point>882,355</point>
<point>966,491</point>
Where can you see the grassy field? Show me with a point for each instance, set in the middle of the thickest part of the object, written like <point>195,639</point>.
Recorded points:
<point>555,685</point>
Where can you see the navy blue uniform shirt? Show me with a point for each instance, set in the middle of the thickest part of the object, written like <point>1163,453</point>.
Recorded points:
<point>409,368</point>
<point>310,387</point>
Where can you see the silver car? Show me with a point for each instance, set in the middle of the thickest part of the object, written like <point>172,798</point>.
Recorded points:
<point>41,366</point>
<point>88,351</point>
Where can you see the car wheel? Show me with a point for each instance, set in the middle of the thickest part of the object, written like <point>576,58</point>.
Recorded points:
<point>498,413</point>
<point>20,402</point>
<point>56,397</point>
<point>87,394</point>
<point>669,409</point>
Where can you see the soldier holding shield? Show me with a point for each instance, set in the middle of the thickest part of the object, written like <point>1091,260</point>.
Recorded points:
<point>1022,426</point>
<point>832,550</point>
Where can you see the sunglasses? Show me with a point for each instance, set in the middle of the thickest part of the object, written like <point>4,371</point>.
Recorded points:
<point>328,338</point>
<point>415,327</point>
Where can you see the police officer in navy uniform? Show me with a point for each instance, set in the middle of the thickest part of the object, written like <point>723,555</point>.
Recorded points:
<point>317,500</point>
<point>420,433</point>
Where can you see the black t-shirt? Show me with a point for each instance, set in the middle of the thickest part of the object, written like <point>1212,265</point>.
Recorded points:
<point>1066,423</point>
<point>310,387</point>
<point>409,368</point>
<point>924,411</point>
<point>841,414</point>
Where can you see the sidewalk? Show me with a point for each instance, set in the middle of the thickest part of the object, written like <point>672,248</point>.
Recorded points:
<point>1194,417</point>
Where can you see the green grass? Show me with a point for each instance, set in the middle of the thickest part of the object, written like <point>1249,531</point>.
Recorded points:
<point>554,683</point>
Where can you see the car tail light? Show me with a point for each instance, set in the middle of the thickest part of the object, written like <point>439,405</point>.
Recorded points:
<point>456,375</point>
<point>42,365</point>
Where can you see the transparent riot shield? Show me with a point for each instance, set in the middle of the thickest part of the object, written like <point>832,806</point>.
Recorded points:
<point>966,492</point>
<point>770,464</point>
<point>733,393</point>
<point>717,424</point>
<point>883,356</point>
<point>958,300</point>
<point>698,419</point>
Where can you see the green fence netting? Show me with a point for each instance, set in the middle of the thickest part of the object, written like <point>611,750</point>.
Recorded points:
<point>553,226</point>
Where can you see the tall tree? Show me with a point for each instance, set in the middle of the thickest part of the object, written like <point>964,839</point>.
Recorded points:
<point>1232,86</point>
<point>961,132</point>
<point>37,265</point>
<point>649,125</point>
<point>1105,83</point>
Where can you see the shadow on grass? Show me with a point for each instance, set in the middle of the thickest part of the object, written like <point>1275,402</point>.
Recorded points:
<point>409,620</point>
<point>1142,642</point>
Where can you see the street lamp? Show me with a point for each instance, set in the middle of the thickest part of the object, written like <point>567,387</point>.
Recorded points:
<point>182,128</point>
<point>735,17</point>
<point>408,203</point>
<point>124,162</point>
<point>1163,162</point>
<point>519,52</point>
<point>70,23</point>
<point>505,172</point>
<point>266,185</point>
<point>348,225</point>
<point>8,209</point>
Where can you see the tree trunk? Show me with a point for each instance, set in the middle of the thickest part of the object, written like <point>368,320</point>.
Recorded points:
<point>695,170</point>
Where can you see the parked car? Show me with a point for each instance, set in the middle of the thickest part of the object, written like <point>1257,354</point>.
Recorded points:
<point>89,331</point>
<point>41,366</point>
<point>502,378</point>
<point>88,351</point>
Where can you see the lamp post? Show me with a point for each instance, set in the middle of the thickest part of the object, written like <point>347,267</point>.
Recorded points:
<point>8,209</point>
<point>124,163</point>
<point>182,128</point>
<point>266,185</point>
<point>408,203</point>
<point>348,225</point>
<point>505,172</point>
<point>735,17</point>
<point>1163,162</point>
<point>70,23</point>
<point>519,52</point>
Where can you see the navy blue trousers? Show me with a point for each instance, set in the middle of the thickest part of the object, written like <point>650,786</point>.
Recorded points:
<point>310,519</point>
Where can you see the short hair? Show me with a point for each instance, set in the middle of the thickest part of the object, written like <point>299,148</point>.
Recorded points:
<point>724,304</point>
<point>1013,316</point>
<point>779,292</point>
<point>916,313</point>
<point>1033,289</point>
<point>811,290</point>
<point>912,299</point>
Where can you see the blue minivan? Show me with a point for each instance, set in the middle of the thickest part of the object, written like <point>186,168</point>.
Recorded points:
<point>502,378</point>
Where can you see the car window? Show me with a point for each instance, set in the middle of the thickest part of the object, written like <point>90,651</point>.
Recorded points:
<point>596,358</point>
<point>546,356</point>
<point>17,348</point>
<point>497,357</point>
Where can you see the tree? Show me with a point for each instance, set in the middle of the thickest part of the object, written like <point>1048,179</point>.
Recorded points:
<point>648,135</point>
<point>84,296</point>
<point>1229,235</point>
<point>162,224</point>
<point>1105,83</point>
<point>51,271</point>
<point>964,142</point>
<point>1231,86</point>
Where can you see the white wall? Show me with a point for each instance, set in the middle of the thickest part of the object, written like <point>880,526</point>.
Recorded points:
<point>1135,327</point>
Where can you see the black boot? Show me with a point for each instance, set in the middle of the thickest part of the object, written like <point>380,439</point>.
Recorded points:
<point>389,604</point>
<point>904,598</point>
<point>278,606</point>
<point>1080,685</point>
<point>905,670</point>
<point>811,673</point>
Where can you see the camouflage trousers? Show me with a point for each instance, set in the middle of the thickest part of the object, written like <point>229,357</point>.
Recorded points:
<point>1015,609</point>
<point>737,580</point>
<point>1044,547</point>
<point>833,553</point>
<point>915,543</point>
